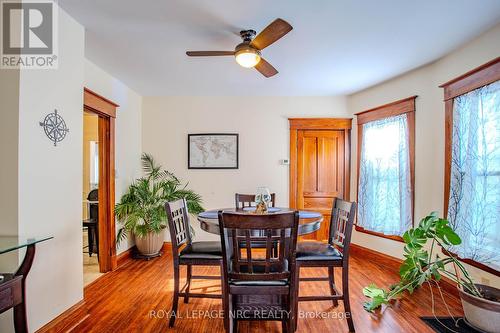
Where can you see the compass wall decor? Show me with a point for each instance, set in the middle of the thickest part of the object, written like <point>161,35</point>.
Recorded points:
<point>55,127</point>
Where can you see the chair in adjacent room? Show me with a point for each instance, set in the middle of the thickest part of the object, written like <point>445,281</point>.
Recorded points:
<point>187,253</point>
<point>92,223</point>
<point>258,285</point>
<point>335,253</point>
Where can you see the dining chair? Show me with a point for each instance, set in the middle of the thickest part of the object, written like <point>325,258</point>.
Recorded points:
<point>92,223</point>
<point>335,253</point>
<point>188,253</point>
<point>258,285</point>
<point>248,200</point>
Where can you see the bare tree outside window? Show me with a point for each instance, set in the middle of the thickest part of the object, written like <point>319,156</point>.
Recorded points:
<point>474,201</point>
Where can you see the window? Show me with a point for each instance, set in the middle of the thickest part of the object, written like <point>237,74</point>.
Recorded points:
<point>94,164</point>
<point>385,169</point>
<point>472,174</point>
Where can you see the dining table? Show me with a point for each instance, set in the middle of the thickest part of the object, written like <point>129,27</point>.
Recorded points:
<point>13,285</point>
<point>309,221</point>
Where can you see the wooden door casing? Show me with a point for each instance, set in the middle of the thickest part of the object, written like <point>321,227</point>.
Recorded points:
<point>106,110</point>
<point>319,166</point>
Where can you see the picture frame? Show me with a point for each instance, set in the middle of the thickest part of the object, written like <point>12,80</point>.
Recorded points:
<point>213,151</point>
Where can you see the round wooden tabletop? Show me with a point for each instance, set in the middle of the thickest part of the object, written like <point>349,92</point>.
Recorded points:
<point>309,222</point>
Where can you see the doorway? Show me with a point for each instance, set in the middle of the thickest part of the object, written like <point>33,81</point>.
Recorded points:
<point>99,184</point>
<point>90,197</point>
<point>319,166</point>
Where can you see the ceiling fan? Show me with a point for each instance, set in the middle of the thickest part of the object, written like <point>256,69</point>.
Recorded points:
<point>248,53</point>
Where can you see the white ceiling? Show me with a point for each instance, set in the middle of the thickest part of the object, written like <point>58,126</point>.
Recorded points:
<point>336,46</point>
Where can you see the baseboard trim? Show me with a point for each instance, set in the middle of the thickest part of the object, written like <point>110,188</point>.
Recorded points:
<point>125,256</point>
<point>394,263</point>
<point>167,247</point>
<point>70,318</point>
<point>383,259</point>
<point>67,320</point>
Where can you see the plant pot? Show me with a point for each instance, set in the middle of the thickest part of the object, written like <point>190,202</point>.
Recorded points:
<point>151,244</point>
<point>482,313</point>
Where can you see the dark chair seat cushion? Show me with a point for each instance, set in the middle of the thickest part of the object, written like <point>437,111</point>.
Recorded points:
<point>89,222</point>
<point>317,251</point>
<point>202,250</point>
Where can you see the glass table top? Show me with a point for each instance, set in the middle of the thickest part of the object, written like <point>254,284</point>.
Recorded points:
<point>11,243</point>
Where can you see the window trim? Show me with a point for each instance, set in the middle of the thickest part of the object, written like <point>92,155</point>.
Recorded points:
<point>472,80</point>
<point>402,106</point>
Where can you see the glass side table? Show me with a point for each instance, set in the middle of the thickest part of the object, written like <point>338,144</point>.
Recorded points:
<point>13,285</point>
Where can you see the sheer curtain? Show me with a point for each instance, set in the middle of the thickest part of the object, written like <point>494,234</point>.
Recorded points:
<point>474,202</point>
<point>384,177</point>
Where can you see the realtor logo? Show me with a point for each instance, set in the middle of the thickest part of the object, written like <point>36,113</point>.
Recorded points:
<point>29,31</point>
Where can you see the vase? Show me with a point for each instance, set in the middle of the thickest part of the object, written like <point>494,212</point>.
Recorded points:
<point>151,244</point>
<point>482,313</point>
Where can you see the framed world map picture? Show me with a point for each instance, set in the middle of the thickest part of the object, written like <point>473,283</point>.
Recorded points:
<point>213,151</point>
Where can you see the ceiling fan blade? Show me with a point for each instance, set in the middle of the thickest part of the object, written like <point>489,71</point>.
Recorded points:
<point>265,68</point>
<point>209,53</point>
<point>274,31</point>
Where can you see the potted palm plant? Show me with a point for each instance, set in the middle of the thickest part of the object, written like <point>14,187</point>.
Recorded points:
<point>481,303</point>
<point>141,210</point>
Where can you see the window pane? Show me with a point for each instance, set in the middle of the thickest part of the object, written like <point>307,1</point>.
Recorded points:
<point>384,177</point>
<point>474,206</point>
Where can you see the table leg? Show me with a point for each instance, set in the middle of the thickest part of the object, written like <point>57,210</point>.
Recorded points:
<point>20,320</point>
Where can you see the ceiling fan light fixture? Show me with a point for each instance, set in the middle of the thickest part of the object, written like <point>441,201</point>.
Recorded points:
<point>247,57</point>
<point>247,53</point>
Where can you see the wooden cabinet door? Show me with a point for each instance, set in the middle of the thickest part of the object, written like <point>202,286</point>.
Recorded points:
<point>320,173</point>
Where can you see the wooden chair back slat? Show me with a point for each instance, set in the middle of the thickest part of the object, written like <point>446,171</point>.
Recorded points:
<point>178,224</point>
<point>249,251</point>
<point>281,248</point>
<point>341,224</point>
<point>269,244</point>
<point>236,250</point>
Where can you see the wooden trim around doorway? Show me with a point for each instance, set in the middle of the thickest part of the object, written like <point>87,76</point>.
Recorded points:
<point>106,110</point>
<point>99,104</point>
<point>296,124</point>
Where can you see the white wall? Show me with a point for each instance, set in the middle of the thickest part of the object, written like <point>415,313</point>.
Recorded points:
<point>50,182</point>
<point>429,154</point>
<point>9,132</point>
<point>262,124</point>
<point>127,127</point>
<point>46,196</point>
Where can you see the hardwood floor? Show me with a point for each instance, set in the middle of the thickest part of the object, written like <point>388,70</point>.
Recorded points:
<point>138,296</point>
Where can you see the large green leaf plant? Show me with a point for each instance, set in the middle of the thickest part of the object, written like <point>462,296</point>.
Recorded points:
<point>422,265</point>
<point>141,209</point>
